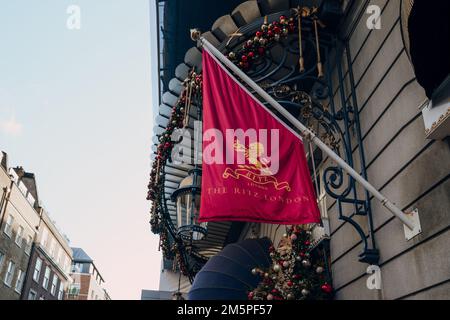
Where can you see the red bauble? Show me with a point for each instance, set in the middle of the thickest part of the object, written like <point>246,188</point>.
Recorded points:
<point>282,18</point>
<point>270,33</point>
<point>327,288</point>
<point>244,58</point>
<point>251,295</point>
<point>307,243</point>
<point>290,283</point>
<point>251,55</point>
<point>277,30</point>
<point>274,291</point>
<point>259,34</point>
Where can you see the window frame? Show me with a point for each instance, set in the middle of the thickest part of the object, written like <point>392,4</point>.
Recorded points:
<point>52,247</point>
<point>9,274</point>
<point>20,278</point>
<point>44,284</point>
<point>8,229</point>
<point>44,238</point>
<point>2,258</point>
<point>19,236</point>
<point>35,269</point>
<point>60,290</point>
<point>54,285</point>
<point>32,292</point>
<point>29,245</point>
<point>74,289</point>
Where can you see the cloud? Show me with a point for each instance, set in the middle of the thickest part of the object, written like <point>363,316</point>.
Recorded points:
<point>11,127</point>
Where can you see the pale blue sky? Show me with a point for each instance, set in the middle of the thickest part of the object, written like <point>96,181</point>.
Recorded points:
<point>76,109</point>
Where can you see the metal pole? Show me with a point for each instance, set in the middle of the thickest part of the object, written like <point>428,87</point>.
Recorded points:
<point>308,134</point>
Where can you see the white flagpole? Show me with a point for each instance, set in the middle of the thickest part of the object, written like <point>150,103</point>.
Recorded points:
<point>308,134</point>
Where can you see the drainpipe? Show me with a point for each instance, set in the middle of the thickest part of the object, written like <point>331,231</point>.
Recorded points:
<point>4,203</point>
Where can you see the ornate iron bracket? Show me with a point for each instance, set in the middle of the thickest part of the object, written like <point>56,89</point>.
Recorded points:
<point>334,178</point>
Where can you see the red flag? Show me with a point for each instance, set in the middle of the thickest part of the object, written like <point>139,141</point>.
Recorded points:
<point>254,166</point>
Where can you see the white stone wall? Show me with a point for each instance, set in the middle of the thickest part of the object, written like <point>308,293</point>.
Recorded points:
<point>411,170</point>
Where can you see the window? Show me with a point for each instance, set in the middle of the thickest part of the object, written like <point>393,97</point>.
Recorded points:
<point>54,285</point>
<point>8,225</point>
<point>65,264</point>
<point>2,257</point>
<point>19,281</point>
<point>46,278</point>
<point>31,199</point>
<point>74,289</point>
<point>23,188</point>
<point>58,255</point>
<point>61,290</point>
<point>19,236</point>
<point>37,269</point>
<point>13,174</point>
<point>77,268</point>
<point>9,273</point>
<point>32,295</point>
<point>52,247</point>
<point>44,238</point>
<point>29,245</point>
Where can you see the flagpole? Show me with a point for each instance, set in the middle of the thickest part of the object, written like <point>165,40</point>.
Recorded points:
<point>307,133</point>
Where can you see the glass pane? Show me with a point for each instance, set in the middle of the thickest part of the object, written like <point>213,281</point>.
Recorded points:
<point>189,220</point>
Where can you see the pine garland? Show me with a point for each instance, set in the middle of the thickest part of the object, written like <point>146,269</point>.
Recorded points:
<point>297,272</point>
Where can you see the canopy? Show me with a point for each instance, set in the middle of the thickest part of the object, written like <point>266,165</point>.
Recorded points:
<point>228,275</point>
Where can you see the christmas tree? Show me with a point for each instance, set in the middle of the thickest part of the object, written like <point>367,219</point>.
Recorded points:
<point>297,271</point>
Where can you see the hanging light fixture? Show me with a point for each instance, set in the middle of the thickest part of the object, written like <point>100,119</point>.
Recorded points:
<point>187,199</point>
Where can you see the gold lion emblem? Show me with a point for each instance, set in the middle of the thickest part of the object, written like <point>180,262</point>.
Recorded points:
<point>257,170</point>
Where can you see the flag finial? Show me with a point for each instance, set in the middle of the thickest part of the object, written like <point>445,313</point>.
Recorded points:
<point>195,34</point>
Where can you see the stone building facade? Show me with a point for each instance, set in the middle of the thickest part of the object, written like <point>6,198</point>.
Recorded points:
<point>35,257</point>
<point>401,162</point>
<point>48,277</point>
<point>18,228</point>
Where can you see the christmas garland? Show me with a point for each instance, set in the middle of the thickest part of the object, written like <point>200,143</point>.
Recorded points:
<point>256,47</point>
<point>297,273</point>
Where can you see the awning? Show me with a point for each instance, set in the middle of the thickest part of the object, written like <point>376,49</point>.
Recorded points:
<point>228,275</point>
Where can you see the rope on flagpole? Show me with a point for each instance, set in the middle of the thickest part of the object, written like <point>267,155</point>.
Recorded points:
<point>306,133</point>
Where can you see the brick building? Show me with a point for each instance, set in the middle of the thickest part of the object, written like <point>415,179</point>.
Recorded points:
<point>87,280</point>
<point>48,276</point>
